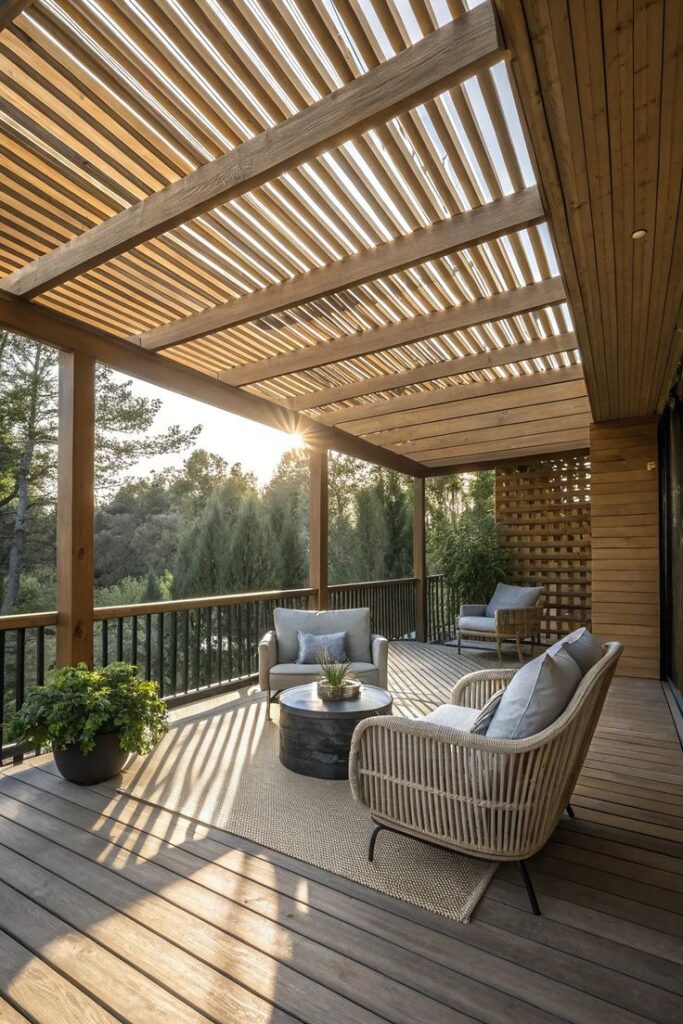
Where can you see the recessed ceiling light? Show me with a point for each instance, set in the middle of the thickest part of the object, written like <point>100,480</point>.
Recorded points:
<point>637,235</point>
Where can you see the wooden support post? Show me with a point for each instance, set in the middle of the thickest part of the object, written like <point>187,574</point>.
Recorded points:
<point>75,509</point>
<point>419,559</point>
<point>318,526</point>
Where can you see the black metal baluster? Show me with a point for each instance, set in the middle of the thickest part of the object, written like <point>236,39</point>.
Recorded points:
<point>186,651</point>
<point>119,638</point>
<point>134,640</point>
<point>148,646</point>
<point>230,636</point>
<point>209,645</point>
<point>174,652</point>
<point>40,656</point>
<point>219,640</point>
<point>105,642</point>
<point>197,647</point>
<point>160,651</point>
<point>3,676</point>
<point>240,653</point>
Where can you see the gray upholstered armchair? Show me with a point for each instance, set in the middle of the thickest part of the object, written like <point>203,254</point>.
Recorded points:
<point>278,650</point>
<point>513,614</point>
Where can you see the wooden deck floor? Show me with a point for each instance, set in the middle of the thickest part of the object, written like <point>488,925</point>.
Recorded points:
<point>114,910</point>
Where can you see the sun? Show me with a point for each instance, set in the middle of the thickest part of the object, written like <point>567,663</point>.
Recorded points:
<point>297,443</point>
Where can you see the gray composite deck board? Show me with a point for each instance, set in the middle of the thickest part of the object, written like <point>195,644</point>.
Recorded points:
<point>102,896</point>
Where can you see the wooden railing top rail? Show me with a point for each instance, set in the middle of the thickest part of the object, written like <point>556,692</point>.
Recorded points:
<point>370,583</point>
<point>220,600</point>
<point>28,621</point>
<point>122,611</point>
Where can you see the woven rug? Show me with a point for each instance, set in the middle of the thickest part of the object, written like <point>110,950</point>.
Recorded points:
<point>222,768</point>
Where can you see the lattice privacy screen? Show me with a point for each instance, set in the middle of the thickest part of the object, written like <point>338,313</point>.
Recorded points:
<point>544,518</point>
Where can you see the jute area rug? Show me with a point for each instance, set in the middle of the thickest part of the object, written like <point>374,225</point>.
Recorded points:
<point>222,768</point>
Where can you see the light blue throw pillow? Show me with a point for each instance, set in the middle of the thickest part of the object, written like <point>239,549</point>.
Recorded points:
<point>310,646</point>
<point>536,696</point>
<point>585,649</point>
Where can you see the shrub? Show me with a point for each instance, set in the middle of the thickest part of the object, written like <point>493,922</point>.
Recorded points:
<point>77,703</point>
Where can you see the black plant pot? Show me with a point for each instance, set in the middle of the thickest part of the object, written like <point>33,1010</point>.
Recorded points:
<point>103,762</point>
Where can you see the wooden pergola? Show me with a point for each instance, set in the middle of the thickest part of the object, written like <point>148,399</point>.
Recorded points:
<point>411,233</point>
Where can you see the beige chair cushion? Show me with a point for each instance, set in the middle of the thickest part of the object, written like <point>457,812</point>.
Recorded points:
<point>453,715</point>
<point>354,621</point>
<point>282,676</point>
<point>477,624</point>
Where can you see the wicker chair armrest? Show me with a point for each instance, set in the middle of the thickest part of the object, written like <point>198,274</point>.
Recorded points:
<point>519,621</point>
<point>267,658</point>
<point>474,689</point>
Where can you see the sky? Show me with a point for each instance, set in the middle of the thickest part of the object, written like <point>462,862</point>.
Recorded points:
<point>235,439</point>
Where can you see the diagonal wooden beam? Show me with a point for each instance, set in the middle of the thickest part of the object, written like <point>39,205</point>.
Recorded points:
<point>441,60</point>
<point>519,300</point>
<point>436,371</point>
<point>498,218</point>
<point>42,324</point>
<point>10,11</point>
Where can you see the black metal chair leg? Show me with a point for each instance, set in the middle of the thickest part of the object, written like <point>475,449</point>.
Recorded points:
<point>570,811</point>
<point>373,840</point>
<point>530,889</point>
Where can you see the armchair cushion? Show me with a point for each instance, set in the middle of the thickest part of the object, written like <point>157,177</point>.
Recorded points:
<point>283,676</point>
<point>508,596</point>
<point>354,621</point>
<point>537,694</point>
<point>454,716</point>
<point>585,649</point>
<point>310,646</point>
<point>477,623</point>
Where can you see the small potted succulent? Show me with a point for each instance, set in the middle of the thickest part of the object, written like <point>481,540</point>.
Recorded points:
<point>336,682</point>
<point>92,720</point>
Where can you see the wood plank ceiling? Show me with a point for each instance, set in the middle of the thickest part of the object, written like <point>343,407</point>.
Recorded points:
<point>601,85</point>
<point>368,253</point>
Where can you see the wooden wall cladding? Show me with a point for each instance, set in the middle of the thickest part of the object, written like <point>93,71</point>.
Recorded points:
<point>625,503</point>
<point>543,513</point>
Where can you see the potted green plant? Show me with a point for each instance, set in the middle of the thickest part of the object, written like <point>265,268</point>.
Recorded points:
<point>92,720</point>
<point>336,682</point>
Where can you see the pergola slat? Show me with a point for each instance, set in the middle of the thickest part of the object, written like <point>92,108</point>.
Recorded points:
<point>534,296</point>
<point>448,56</point>
<point>67,334</point>
<point>436,371</point>
<point>520,210</point>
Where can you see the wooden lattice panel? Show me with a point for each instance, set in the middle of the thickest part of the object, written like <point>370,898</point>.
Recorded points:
<point>544,518</point>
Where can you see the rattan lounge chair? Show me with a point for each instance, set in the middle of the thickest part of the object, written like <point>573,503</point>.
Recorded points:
<point>518,624</point>
<point>491,798</point>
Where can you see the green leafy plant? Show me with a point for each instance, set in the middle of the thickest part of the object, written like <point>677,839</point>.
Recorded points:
<point>335,673</point>
<point>77,704</point>
<point>473,558</point>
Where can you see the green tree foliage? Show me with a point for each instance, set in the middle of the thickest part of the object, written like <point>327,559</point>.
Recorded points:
<point>28,428</point>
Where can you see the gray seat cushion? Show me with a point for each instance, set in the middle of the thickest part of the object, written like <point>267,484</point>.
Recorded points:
<point>282,676</point>
<point>536,696</point>
<point>477,623</point>
<point>453,715</point>
<point>585,649</point>
<point>354,621</point>
<point>508,596</point>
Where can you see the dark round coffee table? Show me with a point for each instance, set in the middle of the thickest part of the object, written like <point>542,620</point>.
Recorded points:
<point>315,735</point>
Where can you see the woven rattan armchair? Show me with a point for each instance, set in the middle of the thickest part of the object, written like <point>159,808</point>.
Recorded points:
<point>490,798</point>
<point>513,624</point>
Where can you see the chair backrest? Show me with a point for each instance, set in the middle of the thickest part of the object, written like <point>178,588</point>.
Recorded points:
<point>507,596</point>
<point>546,773</point>
<point>354,621</point>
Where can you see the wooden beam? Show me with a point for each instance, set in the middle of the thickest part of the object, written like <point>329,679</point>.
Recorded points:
<point>75,509</point>
<point>469,314</point>
<point>318,526</point>
<point>479,449</point>
<point>420,559</point>
<point>10,11</point>
<point>438,62</point>
<point>446,446</point>
<point>64,333</point>
<point>380,416</point>
<point>436,371</point>
<point>502,458</point>
<point>466,229</point>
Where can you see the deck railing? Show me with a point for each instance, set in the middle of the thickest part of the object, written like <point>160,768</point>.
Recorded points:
<point>201,646</point>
